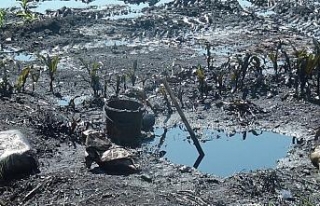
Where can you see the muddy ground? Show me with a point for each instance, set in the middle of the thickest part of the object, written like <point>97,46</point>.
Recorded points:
<point>168,41</point>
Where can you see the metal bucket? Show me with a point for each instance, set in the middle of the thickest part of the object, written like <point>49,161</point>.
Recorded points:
<point>123,120</point>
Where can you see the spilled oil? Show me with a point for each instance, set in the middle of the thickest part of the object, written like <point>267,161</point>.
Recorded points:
<point>42,6</point>
<point>217,50</point>
<point>18,55</point>
<point>24,57</point>
<point>64,101</point>
<point>224,155</point>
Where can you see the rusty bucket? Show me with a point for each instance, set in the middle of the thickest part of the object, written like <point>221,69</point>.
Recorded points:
<point>123,120</point>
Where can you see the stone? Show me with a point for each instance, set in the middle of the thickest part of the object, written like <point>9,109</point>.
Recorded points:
<point>148,121</point>
<point>315,157</point>
<point>185,169</point>
<point>108,156</point>
<point>286,195</point>
<point>17,159</point>
<point>95,143</point>
<point>146,178</point>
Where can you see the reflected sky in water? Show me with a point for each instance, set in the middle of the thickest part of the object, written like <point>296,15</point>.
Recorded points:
<point>224,155</point>
<point>57,4</point>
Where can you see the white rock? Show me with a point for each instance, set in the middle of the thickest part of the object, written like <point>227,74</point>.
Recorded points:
<point>16,155</point>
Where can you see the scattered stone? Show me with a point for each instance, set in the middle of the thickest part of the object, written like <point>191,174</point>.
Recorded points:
<point>213,180</point>
<point>118,159</point>
<point>136,92</point>
<point>185,169</point>
<point>148,121</point>
<point>16,156</point>
<point>107,195</point>
<point>94,144</point>
<point>162,153</point>
<point>242,107</point>
<point>96,140</point>
<point>219,104</point>
<point>306,171</point>
<point>201,116</point>
<point>270,95</point>
<point>286,195</point>
<point>108,156</point>
<point>146,178</point>
<point>207,104</point>
<point>315,157</point>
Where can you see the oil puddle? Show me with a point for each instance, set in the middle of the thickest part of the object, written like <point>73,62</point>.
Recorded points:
<point>217,50</point>
<point>74,4</point>
<point>224,155</point>
<point>115,43</point>
<point>128,15</point>
<point>133,10</point>
<point>163,2</point>
<point>24,57</point>
<point>266,13</point>
<point>18,55</point>
<point>52,5</point>
<point>64,101</point>
<point>136,46</point>
<point>245,4</point>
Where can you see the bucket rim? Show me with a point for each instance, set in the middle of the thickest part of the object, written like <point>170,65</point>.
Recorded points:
<point>141,107</point>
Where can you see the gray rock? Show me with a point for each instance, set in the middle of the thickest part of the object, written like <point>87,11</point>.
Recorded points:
<point>146,178</point>
<point>286,195</point>
<point>185,169</point>
<point>148,121</point>
<point>17,158</point>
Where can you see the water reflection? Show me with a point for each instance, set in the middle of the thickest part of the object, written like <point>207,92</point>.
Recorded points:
<point>42,6</point>
<point>224,155</point>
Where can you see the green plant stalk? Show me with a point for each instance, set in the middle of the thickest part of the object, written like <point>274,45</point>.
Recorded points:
<point>165,96</point>
<point>306,64</point>
<point>52,64</point>
<point>93,71</point>
<point>2,17</point>
<point>318,80</point>
<point>287,59</point>
<point>35,75</point>
<point>288,68</point>
<point>95,80</point>
<point>201,79</point>
<point>124,81</point>
<point>274,59</point>
<point>6,89</point>
<point>26,13</point>
<point>220,82</point>
<point>244,68</point>
<point>24,5</point>
<point>235,78</point>
<point>22,79</point>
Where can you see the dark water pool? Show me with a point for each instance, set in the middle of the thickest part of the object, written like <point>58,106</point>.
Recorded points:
<point>224,155</point>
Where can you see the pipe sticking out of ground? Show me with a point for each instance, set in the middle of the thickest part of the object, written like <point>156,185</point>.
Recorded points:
<point>184,119</point>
